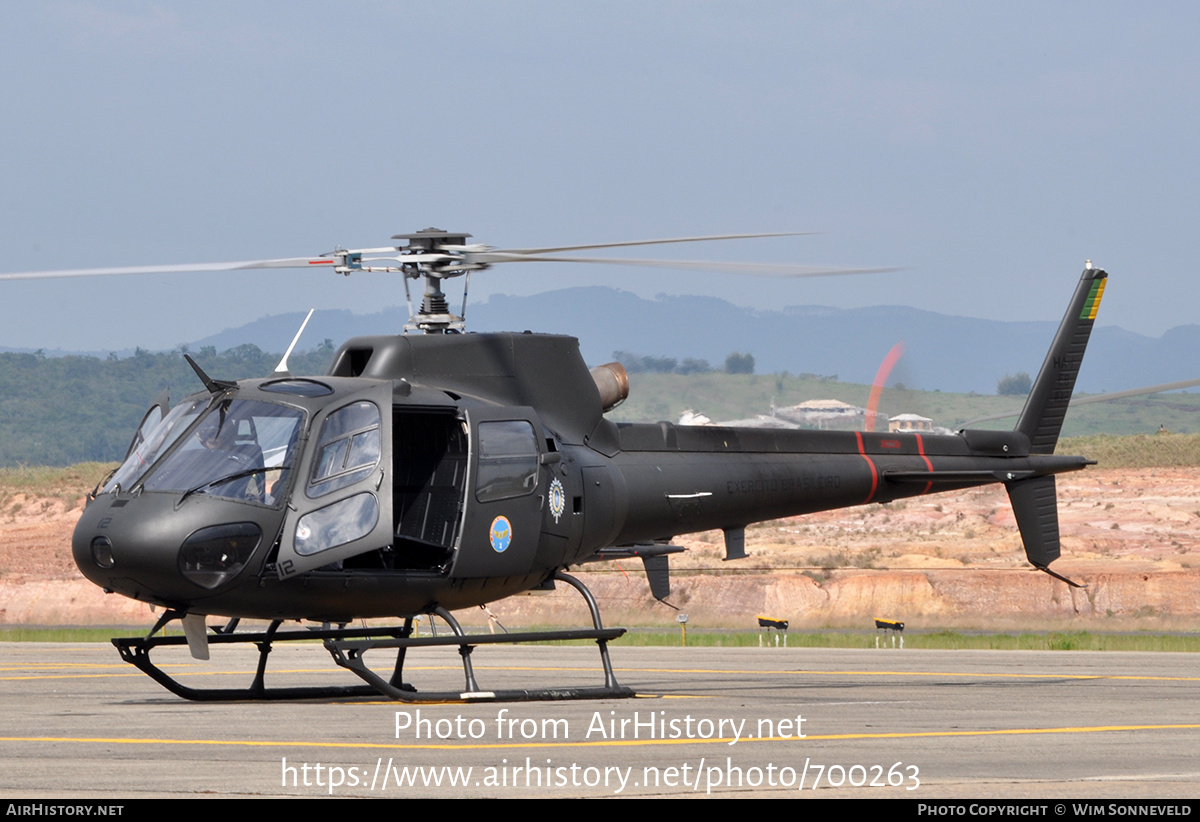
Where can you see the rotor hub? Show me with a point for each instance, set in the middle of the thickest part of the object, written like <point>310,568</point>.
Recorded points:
<point>445,247</point>
<point>430,239</point>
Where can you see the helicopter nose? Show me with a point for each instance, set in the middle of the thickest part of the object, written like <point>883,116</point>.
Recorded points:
<point>146,549</point>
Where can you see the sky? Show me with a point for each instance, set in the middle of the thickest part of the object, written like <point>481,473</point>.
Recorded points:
<point>987,149</point>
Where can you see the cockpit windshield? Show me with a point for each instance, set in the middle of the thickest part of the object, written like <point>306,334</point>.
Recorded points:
<point>238,449</point>
<point>153,443</point>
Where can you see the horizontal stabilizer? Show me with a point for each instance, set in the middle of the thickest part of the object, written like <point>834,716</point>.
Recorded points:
<point>655,559</point>
<point>985,475</point>
<point>639,551</point>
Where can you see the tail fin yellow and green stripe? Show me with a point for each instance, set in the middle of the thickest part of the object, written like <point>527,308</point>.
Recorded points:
<point>1092,304</point>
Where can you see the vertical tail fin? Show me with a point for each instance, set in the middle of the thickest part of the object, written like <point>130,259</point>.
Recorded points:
<point>1042,418</point>
<point>1035,505</point>
<point>1034,500</point>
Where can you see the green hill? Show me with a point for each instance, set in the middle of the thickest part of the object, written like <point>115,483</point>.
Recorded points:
<point>721,396</point>
<point>63,410</point>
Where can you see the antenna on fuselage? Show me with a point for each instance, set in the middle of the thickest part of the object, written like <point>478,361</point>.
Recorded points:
<point>282,368</point>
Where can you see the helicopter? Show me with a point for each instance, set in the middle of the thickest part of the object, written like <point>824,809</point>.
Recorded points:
<point>438,470</point>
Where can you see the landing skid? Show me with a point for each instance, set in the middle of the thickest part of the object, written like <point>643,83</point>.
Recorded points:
<point>348,647</point>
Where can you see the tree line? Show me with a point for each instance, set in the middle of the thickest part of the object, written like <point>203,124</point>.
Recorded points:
<point>64,410</point>
<point>735,363</point>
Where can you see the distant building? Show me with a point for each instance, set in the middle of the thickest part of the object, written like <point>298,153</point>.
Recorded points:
<point>910,422</point>
<point>826,415</point>
<point>691,417</point>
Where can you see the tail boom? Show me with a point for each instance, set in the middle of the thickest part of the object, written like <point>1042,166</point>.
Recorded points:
<point>669,479</point>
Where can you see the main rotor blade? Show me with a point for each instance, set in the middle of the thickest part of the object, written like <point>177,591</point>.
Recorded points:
<point>1088,400</point>
<point>555,249</point>
<point>245,265</point>
<point>475,258</point>
<point>291,262</point>
<point>762,269</point>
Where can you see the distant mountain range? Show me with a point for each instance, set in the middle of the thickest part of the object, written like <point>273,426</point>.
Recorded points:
<point>943,352</point>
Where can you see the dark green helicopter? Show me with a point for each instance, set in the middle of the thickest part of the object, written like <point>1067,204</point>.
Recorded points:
<point>429,472</point>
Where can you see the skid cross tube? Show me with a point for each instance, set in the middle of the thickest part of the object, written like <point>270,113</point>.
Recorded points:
<point>349,654</point>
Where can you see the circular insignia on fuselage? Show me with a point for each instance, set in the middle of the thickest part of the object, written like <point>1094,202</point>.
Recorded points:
<point>500,534</point>
<point>558,499</point>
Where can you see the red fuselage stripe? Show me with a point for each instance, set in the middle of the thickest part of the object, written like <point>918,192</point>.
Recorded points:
<point>928,464</point>
<point>874,474</point>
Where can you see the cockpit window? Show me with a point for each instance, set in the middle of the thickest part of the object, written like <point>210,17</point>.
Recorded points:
<point>508,460</point>
<point>240,449</point>
<point>156,441</point>
<point>347,450</point>
<point>299,387</point>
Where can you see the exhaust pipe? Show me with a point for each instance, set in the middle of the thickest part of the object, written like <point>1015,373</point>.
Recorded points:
<point>613,382</point>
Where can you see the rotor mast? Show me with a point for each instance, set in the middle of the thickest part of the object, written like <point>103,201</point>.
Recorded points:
<point>432,254</point>
<point>434,315</point>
